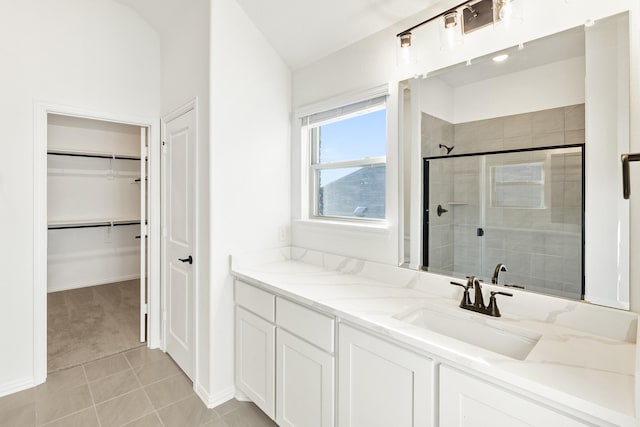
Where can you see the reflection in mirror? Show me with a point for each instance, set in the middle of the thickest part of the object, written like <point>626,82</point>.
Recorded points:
<point>520,208</point>
<point>517,162</point>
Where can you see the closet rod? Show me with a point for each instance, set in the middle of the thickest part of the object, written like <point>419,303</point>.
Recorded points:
<point>97,156</point>
<point>102,224</point>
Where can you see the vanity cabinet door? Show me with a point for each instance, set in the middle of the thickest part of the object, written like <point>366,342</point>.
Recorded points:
<point>468,401</point>
<point>304,384</point>
<point>255,359</point>
<point>381,384</point>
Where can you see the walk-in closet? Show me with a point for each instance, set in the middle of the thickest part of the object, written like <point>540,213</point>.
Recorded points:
<point>96,239</point>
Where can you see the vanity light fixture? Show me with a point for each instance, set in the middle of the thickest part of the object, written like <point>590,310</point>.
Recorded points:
<point>451,19</point>
<point>405,40</point>
<point>504,9</point>
<point>472,14</point>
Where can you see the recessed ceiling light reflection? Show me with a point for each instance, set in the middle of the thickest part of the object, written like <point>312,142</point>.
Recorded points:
<point>500,58</point>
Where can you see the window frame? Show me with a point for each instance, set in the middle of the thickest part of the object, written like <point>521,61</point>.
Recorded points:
<point>539,184</point>
<point>314,167</point>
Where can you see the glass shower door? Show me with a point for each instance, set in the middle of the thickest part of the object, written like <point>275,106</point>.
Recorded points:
<point>520,208</point>
<point>454,213</point>
<point>533,203</point>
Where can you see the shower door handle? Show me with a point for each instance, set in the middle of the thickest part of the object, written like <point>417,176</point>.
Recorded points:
<point>626,177</point>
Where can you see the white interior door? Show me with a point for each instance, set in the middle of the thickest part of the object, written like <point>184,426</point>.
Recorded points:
<point>143,234</point>
<point>178,235</point>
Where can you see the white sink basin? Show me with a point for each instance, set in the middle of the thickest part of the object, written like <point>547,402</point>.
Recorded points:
<point>476,329</point>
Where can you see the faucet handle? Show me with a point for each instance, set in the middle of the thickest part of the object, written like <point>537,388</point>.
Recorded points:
<point>466,299</point>
<point>492,308</point>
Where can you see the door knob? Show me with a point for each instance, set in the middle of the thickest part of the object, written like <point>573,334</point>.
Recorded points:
<point>189,259</point>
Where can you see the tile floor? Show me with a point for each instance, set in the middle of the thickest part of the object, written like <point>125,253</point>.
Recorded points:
<point>139,387</point>
<point>91,323</point>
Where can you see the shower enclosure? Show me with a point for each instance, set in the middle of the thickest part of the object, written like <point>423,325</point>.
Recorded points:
<point>523,208</point>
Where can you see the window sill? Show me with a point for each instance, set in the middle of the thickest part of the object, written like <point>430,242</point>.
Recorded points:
<point>380,228</point>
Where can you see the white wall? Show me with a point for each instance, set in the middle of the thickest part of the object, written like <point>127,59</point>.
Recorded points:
<point>185,76</point>
<point>437,99</point>
<point>372,61</point>
<point>250,167</point>
<point>548,86</point>
<point>94,54</point>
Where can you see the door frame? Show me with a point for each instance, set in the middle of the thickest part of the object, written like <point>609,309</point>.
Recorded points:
<point>191,105</point>
<point>40,121</point>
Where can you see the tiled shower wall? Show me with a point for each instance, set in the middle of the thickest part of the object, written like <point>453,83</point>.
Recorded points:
<point>541,247</point>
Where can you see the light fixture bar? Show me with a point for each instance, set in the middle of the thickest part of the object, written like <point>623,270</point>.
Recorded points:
<point>433,18</point>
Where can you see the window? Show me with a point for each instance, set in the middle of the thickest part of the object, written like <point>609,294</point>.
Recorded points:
<point>518,186</point>
<point>348,155</point>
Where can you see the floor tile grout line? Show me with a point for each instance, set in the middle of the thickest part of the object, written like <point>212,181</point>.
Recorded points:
<point>163,379</point>
<point>173,403</point>
<point>93,400</point>
<point>120,395</point>
<point>110,376</point>
<point>144,390</point>
<point>74,412</point>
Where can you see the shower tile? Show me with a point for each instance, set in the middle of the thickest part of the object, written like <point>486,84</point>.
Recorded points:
<point>573,194</point>
<point>464,133</point>
<point>489,129</point>
<point>519,262</point>
<point>435,257</point>
<point>547,121</point>
<point>518,125</point>
<point>573,215</point>
<point>574,117</point>
<point>548,139</point>
<point>574,137</point>
<point>518,142</point>
<point>489,145</point>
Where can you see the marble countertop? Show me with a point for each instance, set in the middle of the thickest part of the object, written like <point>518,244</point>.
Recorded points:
<point>585,357</point>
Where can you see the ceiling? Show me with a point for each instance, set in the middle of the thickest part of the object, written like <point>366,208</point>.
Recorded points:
<point>157,13</point>
<point>556,47</point>
<point>302,31</point>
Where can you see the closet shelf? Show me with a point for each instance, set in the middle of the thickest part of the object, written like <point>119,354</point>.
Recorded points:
<point>95,154</point>
<point>64,224</point>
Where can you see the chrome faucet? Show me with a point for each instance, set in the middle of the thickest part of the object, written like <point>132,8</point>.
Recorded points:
<point>500,267</point>
<point>478,303</point>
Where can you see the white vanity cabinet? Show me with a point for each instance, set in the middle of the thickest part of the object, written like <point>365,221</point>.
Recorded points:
<point>468,401</point>
<point>305,366</point>
<point>284,358</point>
<point>381,384</point>
<point>286,355</point>
<point>255,336</point>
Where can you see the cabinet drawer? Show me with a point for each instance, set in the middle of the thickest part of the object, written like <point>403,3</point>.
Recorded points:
<point>309,325</point>
<point>255,300</point>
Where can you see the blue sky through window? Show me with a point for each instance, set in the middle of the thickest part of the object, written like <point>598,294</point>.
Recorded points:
<point>351,139</point>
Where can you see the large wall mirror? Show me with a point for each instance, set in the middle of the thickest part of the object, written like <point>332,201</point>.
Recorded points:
<point>514,158</point>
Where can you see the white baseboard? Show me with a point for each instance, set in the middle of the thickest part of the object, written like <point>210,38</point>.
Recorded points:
<point>106,281</point>
<point>242,397</point>
<point>16,386</point>
<point>211,401</point>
